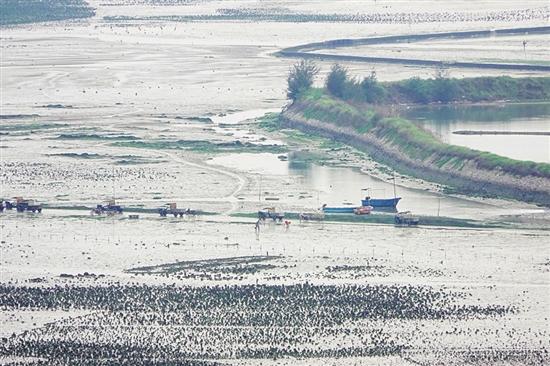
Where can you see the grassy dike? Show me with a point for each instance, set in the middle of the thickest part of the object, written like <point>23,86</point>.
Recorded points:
<point>411,150</point>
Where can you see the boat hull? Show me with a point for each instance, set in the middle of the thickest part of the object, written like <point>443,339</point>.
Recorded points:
<point>381,203</point>
<point>338,209</point>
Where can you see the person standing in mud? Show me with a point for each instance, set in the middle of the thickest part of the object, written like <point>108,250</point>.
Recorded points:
<point>257,227</point>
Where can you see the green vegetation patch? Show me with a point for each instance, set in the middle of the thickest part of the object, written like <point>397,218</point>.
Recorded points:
<point>272,122</point>
<point>135,160</point>
<point>408,137</point>
<point>202,146</point>
<point>232,265</point>
<point>197,119</point>
<point>80,156</point>
<point>119,159</point>
<point>20,127</point>
<point>320,105</point>
<point>388,219</point>
<point>32,11</point>
<point>18,116</point>
<point>439,89</point>
<point>85,136</point>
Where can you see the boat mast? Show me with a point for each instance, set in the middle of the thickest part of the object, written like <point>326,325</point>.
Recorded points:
<point>394,193</point>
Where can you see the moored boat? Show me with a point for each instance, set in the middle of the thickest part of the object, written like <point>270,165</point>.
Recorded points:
<point>381,202</point>
<point>334,210</point>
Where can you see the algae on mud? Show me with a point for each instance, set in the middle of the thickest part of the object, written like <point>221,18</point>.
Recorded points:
<point>202,146</point>
<point>31,11</point>
<point>388,219</point>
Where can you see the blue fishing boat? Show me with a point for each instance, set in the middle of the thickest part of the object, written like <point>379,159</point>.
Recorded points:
<point>381,202</point>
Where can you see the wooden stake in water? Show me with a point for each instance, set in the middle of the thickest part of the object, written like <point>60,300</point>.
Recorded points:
<point>260,191</point>
<point>114,183</point>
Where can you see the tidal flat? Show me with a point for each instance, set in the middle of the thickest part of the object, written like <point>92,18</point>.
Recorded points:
<point>80,96</point>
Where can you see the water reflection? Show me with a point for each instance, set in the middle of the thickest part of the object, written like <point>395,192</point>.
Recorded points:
<point>443,120</point>
<point>338,186</point>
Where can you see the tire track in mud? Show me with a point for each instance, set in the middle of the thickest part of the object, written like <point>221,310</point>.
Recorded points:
<point>232,197</point>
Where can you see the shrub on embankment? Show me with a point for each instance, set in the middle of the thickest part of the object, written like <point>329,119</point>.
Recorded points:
<point>415,151</point>
<point>439,89</point>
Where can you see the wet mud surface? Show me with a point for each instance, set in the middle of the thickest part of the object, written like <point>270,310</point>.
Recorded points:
<point>150,111</point>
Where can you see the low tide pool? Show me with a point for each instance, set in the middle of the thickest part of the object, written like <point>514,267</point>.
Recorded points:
<point>340,186</point>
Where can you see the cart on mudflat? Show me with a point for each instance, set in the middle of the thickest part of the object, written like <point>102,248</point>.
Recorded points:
<point>21,205</point>
<point>109,208</point>
<point>172,209</point>
<point>406,218</point>
<point>270,213</point>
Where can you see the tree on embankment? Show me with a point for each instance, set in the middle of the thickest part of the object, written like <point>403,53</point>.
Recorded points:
<point>337,81</point>
<point>439,89</point>
<point>343,111</point>
<point>300,78</point>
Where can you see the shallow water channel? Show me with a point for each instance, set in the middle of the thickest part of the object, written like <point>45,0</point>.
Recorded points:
<point>342,186</point>
<point>524,117</point>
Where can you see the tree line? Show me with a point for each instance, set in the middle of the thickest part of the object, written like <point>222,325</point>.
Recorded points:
<point>439,89</point>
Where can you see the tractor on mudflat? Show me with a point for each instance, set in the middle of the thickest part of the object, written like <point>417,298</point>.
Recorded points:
<point>271,213</point>
<point>406,218</point>
<point>172,209</point>
<point>21,205</point>
<point>110,208</point>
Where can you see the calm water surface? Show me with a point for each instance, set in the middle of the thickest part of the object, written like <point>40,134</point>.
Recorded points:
<point>338,186</point>
<point>444,120</point>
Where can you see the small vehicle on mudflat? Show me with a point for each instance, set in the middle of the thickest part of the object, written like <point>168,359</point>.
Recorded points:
<point>311,216</point>
<point>173,209</point>
<point>110,208</point>
<point>21,205</point>
<point>406,218</point>
<point>270,213</point>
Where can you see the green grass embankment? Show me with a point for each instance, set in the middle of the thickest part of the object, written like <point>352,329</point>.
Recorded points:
<point>414,151</point>
<point>439,89</point>
<point>473,90</point>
